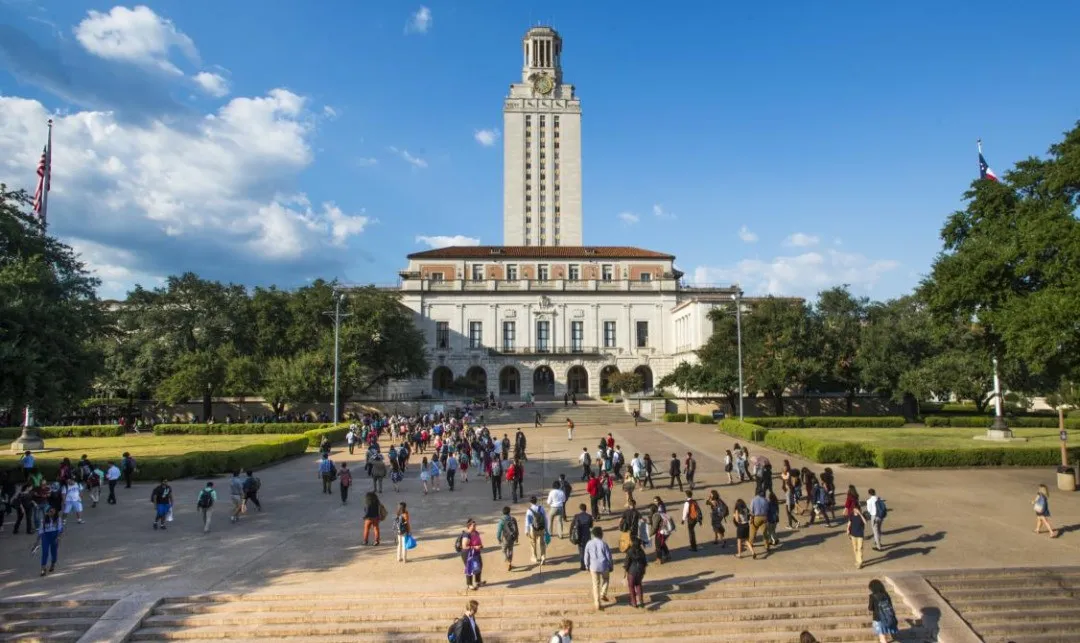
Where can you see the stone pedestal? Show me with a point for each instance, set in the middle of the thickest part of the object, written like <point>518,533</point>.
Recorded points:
<point>999,430</point>
<point>30,440</point>
<point>1066,481</point>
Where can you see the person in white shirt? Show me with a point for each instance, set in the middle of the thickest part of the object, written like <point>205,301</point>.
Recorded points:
<point>637,467</point>
<point>586,462</point>
<point>565,632</point>
<point>557,503</point>
<point>73,500</point>
<point>112,476</point>
<point>350,438</point>
<point>873,509</point>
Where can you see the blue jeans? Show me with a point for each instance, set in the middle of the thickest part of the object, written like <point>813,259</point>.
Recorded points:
<point>49,542</point>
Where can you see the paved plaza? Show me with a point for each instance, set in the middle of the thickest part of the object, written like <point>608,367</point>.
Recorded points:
<point>305,541</point>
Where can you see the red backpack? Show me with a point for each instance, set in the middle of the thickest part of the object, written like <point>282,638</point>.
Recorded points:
<point>511,472</point>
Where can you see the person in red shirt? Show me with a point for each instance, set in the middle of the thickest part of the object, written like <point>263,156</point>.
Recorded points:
<point>593,487</point>
<point>610,441</point>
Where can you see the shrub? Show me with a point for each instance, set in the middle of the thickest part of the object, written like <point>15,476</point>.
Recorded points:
<point>334,432</point>
<point>821,451</point>
<point>203,463</point>
<point>986,457</point>
<point>984,422</point>
<point>98,431</point>
<point>743,430</point>
<point>702,418</point>
<point>9,433</point>
<point>674,417</point>
<point>290,428</point>
<point>830,422</point>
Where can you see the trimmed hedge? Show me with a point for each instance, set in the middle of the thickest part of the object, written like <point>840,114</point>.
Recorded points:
<point>986,457</point>
<point>744,430</point>
<point>821,451</point>
<point>203,463</point>
<point>289,428</point>
<point>984,422</point>
<point>830,422</point>
<point>335,433</point>
<point>699,418</point>
<point>9,433</point>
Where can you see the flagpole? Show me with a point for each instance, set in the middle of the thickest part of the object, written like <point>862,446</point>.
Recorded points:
<point>47,179</point>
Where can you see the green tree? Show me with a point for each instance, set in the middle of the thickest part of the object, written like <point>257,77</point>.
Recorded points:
<point>626,383</point>
<point>304,378</point>
<point>49,316</point>
<point>896,339</point>
<point>243,376</point>
<point>691,379</point>
<point>1011,259</point>
<point>839,320</point>
<point>780,348</point>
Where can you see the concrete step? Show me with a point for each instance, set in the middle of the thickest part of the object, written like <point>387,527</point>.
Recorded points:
<point>56,636</point>
<point>1027,582</point>
<point>857,635</point>
<point>47,624</point>
<point>1018,602</point>
<point>974,593</point>
<point>29,613</point>
<point>1014,630</point>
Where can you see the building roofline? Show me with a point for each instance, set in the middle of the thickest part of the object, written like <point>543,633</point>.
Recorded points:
<point>541,252</point>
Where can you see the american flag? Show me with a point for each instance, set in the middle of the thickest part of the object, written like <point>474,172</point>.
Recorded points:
<point>44,182</point>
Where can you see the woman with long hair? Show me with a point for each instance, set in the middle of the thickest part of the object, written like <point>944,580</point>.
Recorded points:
<point>881,609</point>
<point>1041,503</point>
<point>403,527</point>
<point>371,516</point>
<point>741,518</point>
<point>634,566</point>
<point>717,514</point>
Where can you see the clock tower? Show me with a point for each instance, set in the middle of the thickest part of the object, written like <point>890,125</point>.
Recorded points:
<point>542,149</point>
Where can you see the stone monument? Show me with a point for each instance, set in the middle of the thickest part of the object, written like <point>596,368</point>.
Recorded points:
<point>30,439</point>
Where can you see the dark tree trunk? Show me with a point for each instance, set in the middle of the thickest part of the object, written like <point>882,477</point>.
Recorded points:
<point>779,397</point>
<point>849,402</point>
<point>207,406</point>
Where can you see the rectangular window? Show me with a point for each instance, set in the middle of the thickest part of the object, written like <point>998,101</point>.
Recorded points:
<point>606,272</point>
<point>477,272</point>
<point>645,277</point>
<point>442,334</point>
<point>609,334</point>
<point>543,336</point>
<point>542,269</point>
<point>436,276</point>
<point>575,270</point>
<point>577,336</point>
<point>642,334</point>
<point>476,334</point>
<point>508,336</point>
<point>511,273</point>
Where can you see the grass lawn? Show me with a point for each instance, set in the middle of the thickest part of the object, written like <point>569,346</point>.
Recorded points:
<point>927,438</point>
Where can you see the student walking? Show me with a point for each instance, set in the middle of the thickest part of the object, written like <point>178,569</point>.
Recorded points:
<point>772,519</point>
<point>465,629</point>
<point>49,532</point>
<point>874,506</point>
<point>72,500</point>
<point>741,518</point>
<point>536,531</point>
<point>569,428</point>
<point>599,562</point>
<point>471,548</point>
<point>690,468</point>
<point>162,498</point>
<point>374,513</point>
<point>378,474</point>
<point>565,632</point>
<point>729,464</point>
<point>691,517</point>
<point>344,478</point>
<point>496,477</point>
<point>634,566</point>
<point>507,534</point>
<point>327,473</point>
<point>236,494</point>
<point>403,527</point>
<point>516,476</point>
<point>205,505</point>
<point>451,470</point>
<point>251,489</point>
<point>556,501</point>
<point>128,465</point>
<point>882,611</point>
<point>580,529</point>
<point>1041,504</point>
<point>585,460</point>
<point>675,471</point>
<point>856,530</point>
<point>93,485</point>
<point>112,476</point>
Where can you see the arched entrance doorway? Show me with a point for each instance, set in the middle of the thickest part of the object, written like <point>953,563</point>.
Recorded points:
<point>442,379</point>
<point>646,377</point>
<point>577,380</point>
<point>509,381</point>
<point>543,381</point>
<point>477,380</point>
<point>605,379</point>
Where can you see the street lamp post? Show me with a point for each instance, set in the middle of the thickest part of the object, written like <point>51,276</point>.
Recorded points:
<point>339,297</point>
<point>737,297</point>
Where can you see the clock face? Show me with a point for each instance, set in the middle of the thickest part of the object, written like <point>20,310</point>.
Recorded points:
<point>544,85</point>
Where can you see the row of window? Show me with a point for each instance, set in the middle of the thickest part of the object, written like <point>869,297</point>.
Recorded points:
<point>543,335</point>
<point>543,272</point>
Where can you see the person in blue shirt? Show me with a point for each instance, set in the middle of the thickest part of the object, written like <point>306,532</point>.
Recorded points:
<point>599,562</point>
<point>326,473</point>
<point>49,538</point>
<point>27,465</point>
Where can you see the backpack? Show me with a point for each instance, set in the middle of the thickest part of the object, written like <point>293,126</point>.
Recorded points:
<point>457,542</point>
<point>566,488</point>
<point>511,473</point>
<point>694,514</point>
<point>722,509</point>
<point>346,478</point>
<point>382,512</point>
<point>668,525</point>
<point>206,499</point>
<point>1040,504</point>
<point>511,530</point>
<point>93,480</point>
<point>882,510</point>
<point>885,613</point>
<point>333,473</point>
<point>539,523</point>
<point>453,633</point>
<point>588,460</point>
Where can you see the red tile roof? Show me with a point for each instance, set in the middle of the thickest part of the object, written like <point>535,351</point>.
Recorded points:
<point>540,252</point>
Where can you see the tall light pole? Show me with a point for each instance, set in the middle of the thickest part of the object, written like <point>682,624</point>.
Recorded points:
<point>737,297</point>
<point>339,297</point>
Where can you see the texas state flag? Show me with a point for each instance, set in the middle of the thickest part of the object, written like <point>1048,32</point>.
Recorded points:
<point>984,170</point>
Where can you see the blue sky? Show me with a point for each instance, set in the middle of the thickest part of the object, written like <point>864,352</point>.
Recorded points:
<point>787,148</point>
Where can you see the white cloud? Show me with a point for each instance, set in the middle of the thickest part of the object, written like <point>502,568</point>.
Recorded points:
<point>420,21</point>
<point>367,161</point>
<point>137,36</point>
<point>629,218</point>
<point>800,240</point>
<point>659,212</point>
<point>113,267</point>
<point>746,235</point>
<point>329,112</point>
<point>486,137</point>
<point>404,154</point>
<point>442,241</point>
<point>213,84</point>
<point>156,191</point>
<point>802,275</point>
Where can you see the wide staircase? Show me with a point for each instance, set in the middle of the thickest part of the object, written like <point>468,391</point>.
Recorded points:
<point>31,620</point>
<point>553,413</point>
<point>767,610</point>
<point>1020,605</point>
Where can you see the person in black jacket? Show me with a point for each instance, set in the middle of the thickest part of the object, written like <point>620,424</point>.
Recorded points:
<point>675,470</point>
<point>465,629</point>
<point>580,528</point>
<point>634,565</point>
